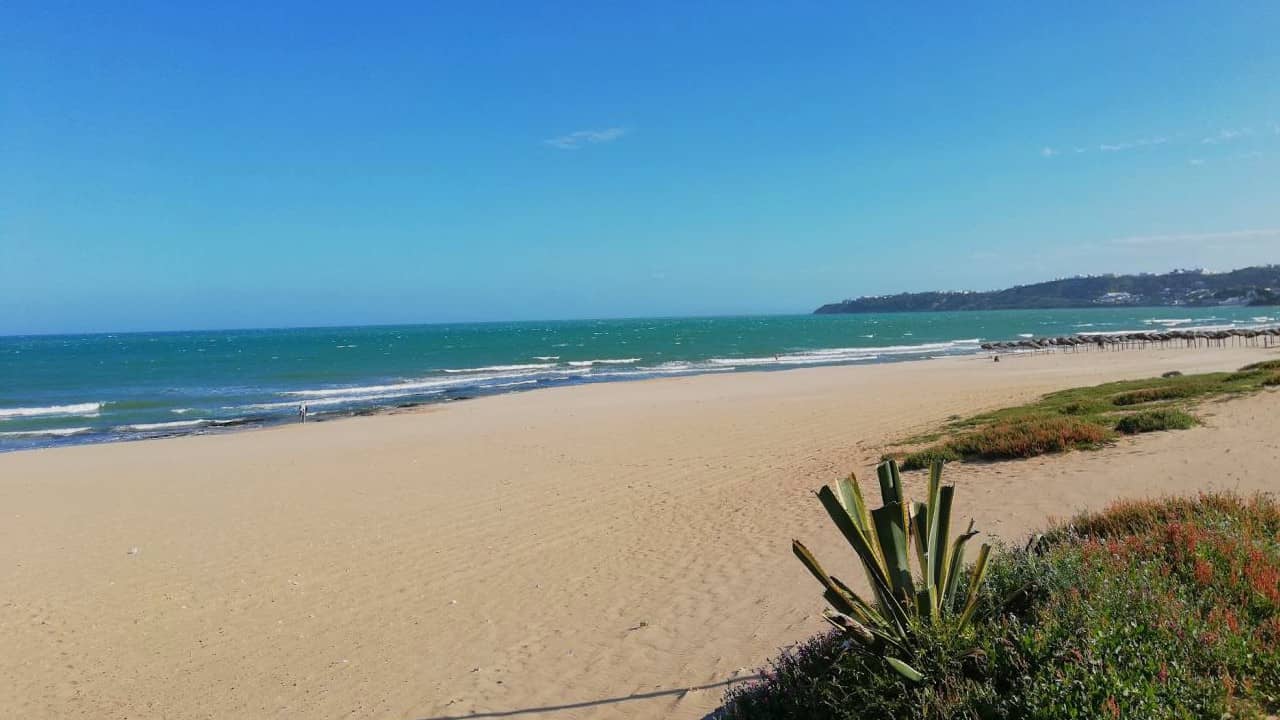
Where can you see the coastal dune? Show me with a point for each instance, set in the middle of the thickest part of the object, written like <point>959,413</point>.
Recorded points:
<point>599,551</point>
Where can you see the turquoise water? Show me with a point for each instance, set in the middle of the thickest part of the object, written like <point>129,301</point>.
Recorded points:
<point>94,388</point>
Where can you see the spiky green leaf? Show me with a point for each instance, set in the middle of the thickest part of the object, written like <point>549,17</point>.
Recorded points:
<point>975,583</point>
<point>904,669</point>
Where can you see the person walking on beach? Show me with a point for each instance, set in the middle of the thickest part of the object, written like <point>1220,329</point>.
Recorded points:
<point>302,412</point>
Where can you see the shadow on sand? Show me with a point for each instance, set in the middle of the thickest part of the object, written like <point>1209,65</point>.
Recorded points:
<point>593,703</point>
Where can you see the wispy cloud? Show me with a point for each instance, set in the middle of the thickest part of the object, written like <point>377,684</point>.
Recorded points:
<point>1227,135</point>
<point>1233,236</point>
<point>1049,151</point>
<point>1183,140</point>
<point>1140,142</point>
<point>582,138</point>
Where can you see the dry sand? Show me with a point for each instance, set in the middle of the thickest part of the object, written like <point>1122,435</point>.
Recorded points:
<point>580,552</point>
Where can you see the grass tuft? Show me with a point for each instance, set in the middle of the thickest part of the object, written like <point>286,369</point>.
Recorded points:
<point>1029,438</point>
<point>922,459</point>
<point>1154,394</point>
<point>1154,420</point>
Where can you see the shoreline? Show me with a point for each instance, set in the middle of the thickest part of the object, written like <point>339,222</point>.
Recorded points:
<point>57,438</point>
<point>611,544</point>
<point>69,390</point>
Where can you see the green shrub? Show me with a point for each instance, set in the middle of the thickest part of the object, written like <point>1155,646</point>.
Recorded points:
<point>1061,420</point>
<point>1153,609</point>
<point>1079,408</point>
<point>1171,374</point>
<point>1243,375</point>
<point>922,459</point>
<point>1029,438</point>
<point>1154,420</point>
<point>1152,394</point>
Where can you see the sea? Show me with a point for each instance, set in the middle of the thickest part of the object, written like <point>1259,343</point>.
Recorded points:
<point>74,389</point>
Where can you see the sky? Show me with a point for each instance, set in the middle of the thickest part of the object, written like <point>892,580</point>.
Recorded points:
<point>178,165</point>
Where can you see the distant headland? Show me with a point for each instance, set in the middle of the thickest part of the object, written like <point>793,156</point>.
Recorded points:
<point>1258,285</point>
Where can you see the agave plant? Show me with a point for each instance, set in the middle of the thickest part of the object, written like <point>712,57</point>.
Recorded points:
<point>882,539</point>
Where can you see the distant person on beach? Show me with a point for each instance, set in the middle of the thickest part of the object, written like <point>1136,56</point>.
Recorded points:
<point>302,412</point>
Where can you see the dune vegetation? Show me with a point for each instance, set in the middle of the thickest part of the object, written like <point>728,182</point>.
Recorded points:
<point>1150,609</point>
<point>1083,418</point>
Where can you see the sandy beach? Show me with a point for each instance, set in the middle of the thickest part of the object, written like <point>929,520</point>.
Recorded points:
<point>600,551</point>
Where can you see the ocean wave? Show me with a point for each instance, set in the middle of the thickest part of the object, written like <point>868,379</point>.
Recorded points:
<point>405,388</point>
<point>332,401</point>
<point>52,432</point>
<point>77,410</point>
<point>545,358</point>
<point>438,384</point>
<point>1169,322</point>
<point>1233,325</point>
<point>965,344</point>
<point>824,359</point>
<point>504,368</point>
<point>513,384</point>
<point>175,425</point>
<point>611,361</point>
<point>831,356</point>
<point>673,368</point>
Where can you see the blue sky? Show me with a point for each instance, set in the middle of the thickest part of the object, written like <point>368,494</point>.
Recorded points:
<point>168,166</point>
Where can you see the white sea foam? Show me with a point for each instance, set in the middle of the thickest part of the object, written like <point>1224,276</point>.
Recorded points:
<point>513,384</point>
<point>78,410</point>
<point>1234,325</point>
<point>1026,335</point>
<point>664,369</point>
<point>1169,322</point>
<point>334,400</point>
<point>146,427</point>
<point>853,354</point>
<point>405,388</point>
<point>545,358</point>
<point>797,359</point>
<point>52,432</point>
<point>504,368</point>
<point>182,411</point>
<point>611,361</point>
<point>426,385</point>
